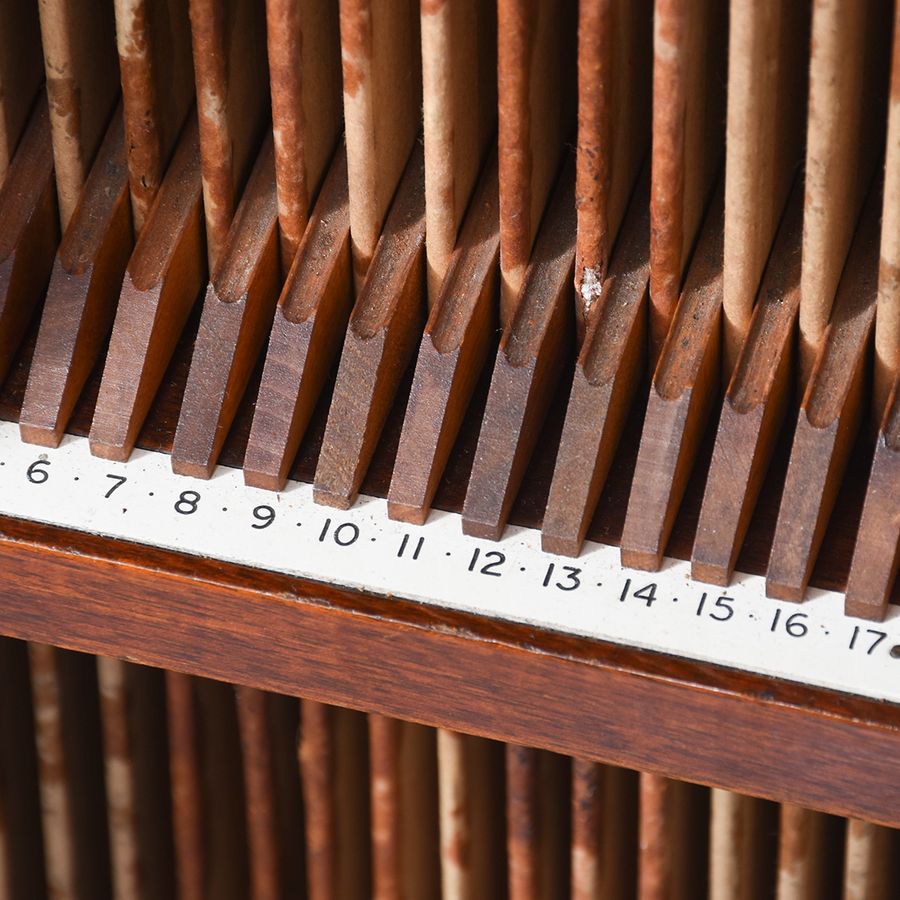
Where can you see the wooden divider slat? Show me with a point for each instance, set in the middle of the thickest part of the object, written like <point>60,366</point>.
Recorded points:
<point>22,863</point>
<point>767,56</point>
<point>604,831</point>
<point>81,298</point>
<point>459,94</point>
<point>381,54</point>
<point>163,278</point>
<point>887,319</point>
<point>30,232</point>
<point>684,389</point>
<point>237,315</point>
<point>306,337</point>
<point>21,73</point>
<point>844,140</point>
<point>382,333</point>
<point>608,372</point>
<point>742,848</point>
<point>689,44</point>
<point>876,555</point>
<point>529,365</point>
<point>536,93</point>
<point>870,861</point>
<point>451,357</point>
<point>615,41</point>
<point>154,44</point>
<point>673,839</point>
<point>809,855</point>
<point>305,78</point>
<point>754,409</point>
<point>82,80</point>
<point>260,803</point>
<point>230,69</point>
<point>829,418</point>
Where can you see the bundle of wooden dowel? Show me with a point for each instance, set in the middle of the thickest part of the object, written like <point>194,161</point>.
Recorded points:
<point>259,796</point>
<point>616,269</point>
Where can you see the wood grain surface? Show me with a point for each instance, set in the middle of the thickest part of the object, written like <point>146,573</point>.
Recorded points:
<point>163,278</point>
<point>527,370</point>
<point>536,91</point>
<point>306,337</point>
<point>756,405</point>
<point>29,235</point>
<point>237,315</point>
<point>381,55</point>
<point>382,333</point>
<point>305,79</point>
<point>682,397</point>
<point>829,418</point>
<point>157,75</point>
<point>451,357</point>
<point>615,42</point>
<point>81,298</point>
<point>608,372</point>
<point>82,82</point>
<point>228,38</point>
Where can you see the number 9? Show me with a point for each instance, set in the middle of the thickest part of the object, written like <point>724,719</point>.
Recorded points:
<point>264,515</point>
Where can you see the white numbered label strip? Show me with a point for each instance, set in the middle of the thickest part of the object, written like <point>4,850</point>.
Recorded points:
<point>142,501</point>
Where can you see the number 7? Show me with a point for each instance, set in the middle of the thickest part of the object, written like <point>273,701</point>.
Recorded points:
<point>119,481</point>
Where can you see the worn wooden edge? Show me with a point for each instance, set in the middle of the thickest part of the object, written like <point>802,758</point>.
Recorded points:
<point>163,278</point>
<point>236,317</point>
<point>527,369</point>
<point>430,665</point>
<point>607,374</point>
<point>829,418</point>
<point>754,408</point>
<point>29,236</point>
<point>81,298</point>
<point>877,551</point>
<point>451,356</point>
<point>382,333</point>
<point>307,332</point>
<point>684,389</point>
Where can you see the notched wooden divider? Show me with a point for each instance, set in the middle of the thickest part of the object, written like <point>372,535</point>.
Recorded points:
<point>608,372</point>
<point>688,110</point>
<point>451,357</point>
<point>536,56</point>
<point>306,335</point>
<point>228,38</point>
<point>237,315</point>
<point>829,418</point>
<point>164,276</point>
<point>682,394</point>
<point>530,361</point>
<point>754,408</point>
<point>381,55</point>
<point>303,41</point>
<point>21,73</point>
<point>381,338</point>
<point>81,298</point>
<point>29,232</point>
<point>79,45</point>
<point>877,551</point>
<point>615,41</point>
<point>154,42</point>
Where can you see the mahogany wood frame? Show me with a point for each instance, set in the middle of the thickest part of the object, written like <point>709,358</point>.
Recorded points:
<point>698,722</point>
